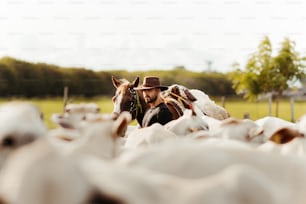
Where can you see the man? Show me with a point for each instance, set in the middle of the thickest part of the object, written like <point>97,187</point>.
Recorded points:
<point>158,111</point>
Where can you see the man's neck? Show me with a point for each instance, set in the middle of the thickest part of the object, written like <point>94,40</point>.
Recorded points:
<point>156,103</point>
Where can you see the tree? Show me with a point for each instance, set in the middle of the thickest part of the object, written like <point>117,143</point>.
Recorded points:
<point>288,67</point>
<point>267,74</point>
<point>250,82</point>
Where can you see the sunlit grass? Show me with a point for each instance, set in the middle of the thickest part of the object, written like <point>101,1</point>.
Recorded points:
<point>258,110</point>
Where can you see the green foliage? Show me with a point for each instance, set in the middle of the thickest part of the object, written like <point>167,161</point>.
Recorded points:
<point>288,66</point>
<point>253,81</point>
<point>20,78</point>
<point>5,77</point>
<point>265,73</point>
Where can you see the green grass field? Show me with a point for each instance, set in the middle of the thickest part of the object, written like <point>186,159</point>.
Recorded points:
<point>261,109</point>
<point>235,108</point>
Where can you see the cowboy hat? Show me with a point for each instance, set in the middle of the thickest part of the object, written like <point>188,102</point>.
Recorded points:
<point>151,83</point>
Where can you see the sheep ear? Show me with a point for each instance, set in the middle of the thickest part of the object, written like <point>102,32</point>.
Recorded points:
<point>115,82</point>
<point>56,118</point>
<point>285,135</point>
<point>254,132</point>
<point>121,123</point>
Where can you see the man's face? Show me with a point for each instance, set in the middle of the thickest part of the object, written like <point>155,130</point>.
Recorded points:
<point>150,95</point>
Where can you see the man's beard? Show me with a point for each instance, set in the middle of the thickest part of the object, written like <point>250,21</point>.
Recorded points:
<point>150,100</point>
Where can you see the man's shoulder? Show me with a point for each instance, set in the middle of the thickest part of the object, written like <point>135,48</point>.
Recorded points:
<point>163,106</point>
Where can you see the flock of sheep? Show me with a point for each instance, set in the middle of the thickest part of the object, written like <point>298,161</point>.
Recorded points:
<point>93,157</point>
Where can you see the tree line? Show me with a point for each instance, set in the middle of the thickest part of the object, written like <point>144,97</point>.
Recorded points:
<point>26,79</point>
<point>263,73</point>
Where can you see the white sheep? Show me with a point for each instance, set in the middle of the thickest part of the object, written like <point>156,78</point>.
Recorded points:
<point>38,174</point>
<point>99,135</point>
<point>74,114</point>
<point>188,123</point>
<point>20,123</point>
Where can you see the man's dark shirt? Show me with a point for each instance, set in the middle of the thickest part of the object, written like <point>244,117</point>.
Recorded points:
<point>160,114</point>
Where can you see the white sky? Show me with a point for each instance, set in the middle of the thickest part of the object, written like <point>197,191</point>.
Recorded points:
<point>144,34</point>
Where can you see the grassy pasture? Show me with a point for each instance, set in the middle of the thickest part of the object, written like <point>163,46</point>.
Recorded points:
<point>258,110</point>
<point>237,108</point>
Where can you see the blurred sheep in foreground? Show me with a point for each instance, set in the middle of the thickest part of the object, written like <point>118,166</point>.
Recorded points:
<point>20,123</point>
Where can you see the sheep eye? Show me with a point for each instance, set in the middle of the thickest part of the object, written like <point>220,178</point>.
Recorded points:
<point>8,141</point>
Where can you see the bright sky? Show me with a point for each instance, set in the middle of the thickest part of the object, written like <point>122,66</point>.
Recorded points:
<point>147,34</point>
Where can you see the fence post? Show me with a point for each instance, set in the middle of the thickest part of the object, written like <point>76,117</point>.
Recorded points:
<point>223,101</point>
<point>270,105</point>
<point>292,108</point>
<point>65,99</point>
